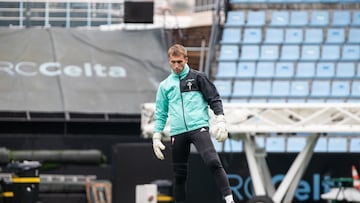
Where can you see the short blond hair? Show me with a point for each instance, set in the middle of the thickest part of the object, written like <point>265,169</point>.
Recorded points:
<point>177,50</point>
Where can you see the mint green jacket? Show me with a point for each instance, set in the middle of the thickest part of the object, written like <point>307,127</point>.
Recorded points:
<point>185,99</point>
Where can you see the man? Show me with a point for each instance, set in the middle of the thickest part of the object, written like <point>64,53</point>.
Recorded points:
<point>185,96</point>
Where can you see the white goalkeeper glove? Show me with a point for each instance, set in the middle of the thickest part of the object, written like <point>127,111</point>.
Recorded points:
<point>220,131</point>
<point>158,146</point>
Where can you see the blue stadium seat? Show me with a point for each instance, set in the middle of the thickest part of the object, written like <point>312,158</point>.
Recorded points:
<point>310,52</point>
<point>299,88</point>
<point>290,52</point>
<point>355,145</point>
<point>356,18</point>
<point>242,88</point>
<point>337,144</point>
<point>341,18</point>
<point>298,18</point>
<point>224,87</point>
<point>275,144</point>
<point>284,70</point>
<point>229,52</point>
<point>246,70</point>
<point>305,70</point>
<point>355,89</point>
<point>320,88</point>
<point>280,88</point>
<point>232,145</point>
<point>335,35</point>
<point>345,70</point>
<point>235,18</point>
<point>269,52</point>
<point>226,70</point>
<point>354,34</point>
<point>319,18</point>
<point>256,18</point>
<point>250,52</point>
<point>330,53</point>
<point>231,35</point>
<point>293,36</point>
<point>295,144</point>
<point>261,88</point>
<point>325,70</point>
<point>321,145</point>
<point>340,89</point>
<point>252,36</point>
<point>279,18</point>
<point>313,36</point>
<point>351,52</point>
<point>274,36</point>
<point>265,70</point>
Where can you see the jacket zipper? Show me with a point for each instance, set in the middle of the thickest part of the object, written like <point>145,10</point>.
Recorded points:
<point>182,104</point>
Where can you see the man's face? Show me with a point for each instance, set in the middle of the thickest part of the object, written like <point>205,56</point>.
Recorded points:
<point>177,63</point>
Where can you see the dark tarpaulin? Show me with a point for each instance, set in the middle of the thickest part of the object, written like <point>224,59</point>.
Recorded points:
<point>79,70</point>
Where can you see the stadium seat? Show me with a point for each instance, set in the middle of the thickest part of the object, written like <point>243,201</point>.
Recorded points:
<point>250,52</point>
<point>284,70</point>
<point>356,18</point>
<point>345,70</point>
<point>330,53</point>
<point>261,88</point>
<point>298,18</point>
<point>354,34</point>
<point>242,88</point>
<point>280,88</point>
<point>224,87</point>
<point>256,18</point>
<point>319,18</point>
<point>299,88</point>
<point>320,88</point>
<point>341,18</point>
<point>279,18</point>
<point>265,70</point>
<point>340,89</point>
<point>295,144</point>
<point>290,52</point>
<point>226,70</point>
<point>235,18</point>
<point>337,144</point>
<point>305,70</point>
<point>232,145</point>
<point>355,89</point>
<point>351,52</point>
<point>321,145</point>
<point>246,70</point>
<point>325,70</point>
<point>229,52</point>
<point>313,36</point>
<point>231,36</point>
<point>269,52</point>
<point>355,145</point>
<point>275,144</point>
<point>274,36</point>
<point>252,36</point>
<point>335,36</point>
<point>310,53</point>
<point>293,36</point>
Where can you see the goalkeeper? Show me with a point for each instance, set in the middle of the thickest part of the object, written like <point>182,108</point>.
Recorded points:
<point>185,96</point>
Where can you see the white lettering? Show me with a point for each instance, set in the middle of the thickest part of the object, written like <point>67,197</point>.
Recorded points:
<point>28,68</point>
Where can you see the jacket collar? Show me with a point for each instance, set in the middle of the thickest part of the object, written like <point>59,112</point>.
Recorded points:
<point>183,73</point>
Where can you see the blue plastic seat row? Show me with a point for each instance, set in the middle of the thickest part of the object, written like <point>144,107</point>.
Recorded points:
<point>319,90</point>
<point>298,18</point>
<point>288,35</point>
<point>346,52</point>
<point>288,70</point>
<point>292,1</point>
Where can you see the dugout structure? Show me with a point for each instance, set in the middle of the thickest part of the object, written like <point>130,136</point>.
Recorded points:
<point>246,121</point>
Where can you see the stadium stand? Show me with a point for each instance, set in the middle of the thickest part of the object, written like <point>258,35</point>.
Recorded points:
<point>304,53</point>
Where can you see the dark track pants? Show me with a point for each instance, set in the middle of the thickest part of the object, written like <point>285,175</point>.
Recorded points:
<point>180,154</point>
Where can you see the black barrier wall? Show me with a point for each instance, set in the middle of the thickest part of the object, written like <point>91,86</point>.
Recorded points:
<point>135,164</point>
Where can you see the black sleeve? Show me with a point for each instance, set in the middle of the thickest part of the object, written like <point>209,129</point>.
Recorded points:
<point>210,93</point>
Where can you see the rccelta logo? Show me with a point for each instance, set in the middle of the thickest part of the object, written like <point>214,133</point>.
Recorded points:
<point>28,68</point>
